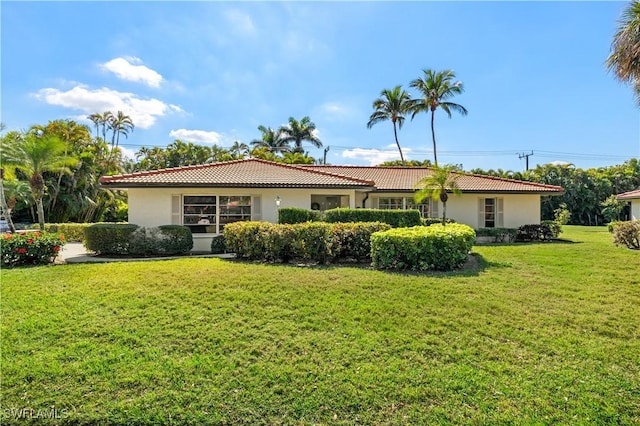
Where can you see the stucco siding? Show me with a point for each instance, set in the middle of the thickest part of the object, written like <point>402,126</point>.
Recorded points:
<point>635,209</point>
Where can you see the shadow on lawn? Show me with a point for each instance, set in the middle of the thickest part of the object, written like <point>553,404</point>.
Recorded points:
<point>474,265</point>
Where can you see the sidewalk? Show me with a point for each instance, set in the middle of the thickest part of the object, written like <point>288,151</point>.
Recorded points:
<point>76,253</point>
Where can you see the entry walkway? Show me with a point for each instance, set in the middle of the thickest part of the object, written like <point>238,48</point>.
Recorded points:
<point>77,253</point>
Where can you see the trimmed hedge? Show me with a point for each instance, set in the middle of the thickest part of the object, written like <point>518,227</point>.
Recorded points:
<point>73,232</point>
<point>293,215</point>
<point>309,242</point>
<point>421,248</point>
<point>627,234</point>
<point>428,221</point>
<point>128,239</point>
<point>109,238</point>
<point>535,232</point>
<point>30,248</point>
<point>499,235</point>
<point>218,245</point>
<point>395,218</point>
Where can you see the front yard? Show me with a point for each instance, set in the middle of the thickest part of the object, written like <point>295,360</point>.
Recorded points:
<point>539,334</point>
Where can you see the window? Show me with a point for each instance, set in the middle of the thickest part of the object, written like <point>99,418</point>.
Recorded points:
<point>427,209</point>
<point>209,213</point>
<point>490,213</point>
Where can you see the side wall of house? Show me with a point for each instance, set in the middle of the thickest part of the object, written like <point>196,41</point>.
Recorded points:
<point>517,209</point>
<point>635,209</point>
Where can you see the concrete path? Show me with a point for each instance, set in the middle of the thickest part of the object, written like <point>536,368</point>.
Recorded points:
<point>77,253</point>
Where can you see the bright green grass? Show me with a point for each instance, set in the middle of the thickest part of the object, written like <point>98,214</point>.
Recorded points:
<point>539,334</point>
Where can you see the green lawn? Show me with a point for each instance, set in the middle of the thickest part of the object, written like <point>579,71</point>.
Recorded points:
<point>539,334</point>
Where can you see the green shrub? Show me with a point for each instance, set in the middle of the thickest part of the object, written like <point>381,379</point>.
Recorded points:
<point>555,227</point>
<point>499,235</point>
<point>422,248</point>
<point>627,234</point>
<point>535,232</point>
<point>311,241</point>
<point>293,215</point>
<point>247,239</point>
<point>395,218</point>
<point>611,225</point>
<point>218,245</point>
<point>30,248</point>
<point>109,238</point>
<point>353,240</point>
<point>428,221</point>
<point>73,232</point>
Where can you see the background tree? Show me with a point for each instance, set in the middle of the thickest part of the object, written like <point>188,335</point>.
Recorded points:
<point>119,124</point>
<point>271,140</point>
<point>298,132</point>
<point>437,185</point>
<point>624,59</point>
<point>435,88</point>
<point>239,150</point>
<point>34,154</point>
<point>392,105</point>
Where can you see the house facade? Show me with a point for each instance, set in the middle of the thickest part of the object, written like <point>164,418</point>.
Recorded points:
<point>634,198</point>
<point>207,197</point>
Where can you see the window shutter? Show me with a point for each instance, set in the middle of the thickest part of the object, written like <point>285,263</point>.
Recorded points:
<point>433,208</point>
<point>481,223</point>
<point>256,208</point>
<point>176,214</point>
<point>499,212</point>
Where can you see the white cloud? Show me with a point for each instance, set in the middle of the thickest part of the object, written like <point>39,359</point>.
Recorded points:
<point>337,111</point>
<point>127,69</point>
<point>127,152</point>
<point>143,112</point>
<point>196,136</point>
<point>372,155</point>
<point>240,23</point>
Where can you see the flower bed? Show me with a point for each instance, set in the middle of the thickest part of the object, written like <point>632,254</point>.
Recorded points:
<point>30,248</point>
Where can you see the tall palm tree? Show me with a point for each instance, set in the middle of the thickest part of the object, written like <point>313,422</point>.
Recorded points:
<point>624,59</point>
<point>391,105</point>
<point>436,87</point>
<point>119,124</point>
<point>299,131</point>
<point>239,149</point>
<point>437,185</point>
<point>35,154</point>
<point>271,140</point>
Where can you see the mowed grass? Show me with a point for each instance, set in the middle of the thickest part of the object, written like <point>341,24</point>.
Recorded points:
<point>538,334</point>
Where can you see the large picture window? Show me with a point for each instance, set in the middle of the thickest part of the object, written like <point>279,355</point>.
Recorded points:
<point>209,213</point>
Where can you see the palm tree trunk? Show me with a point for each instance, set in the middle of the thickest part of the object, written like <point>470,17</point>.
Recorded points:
<point>444,214</point>
<point>40,213</point>
<point>433,136</point>
<point>395,133</point>
<point>5,208</point>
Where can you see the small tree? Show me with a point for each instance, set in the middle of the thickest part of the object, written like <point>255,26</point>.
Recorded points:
<point>612,208</point>
<point>436,185</point>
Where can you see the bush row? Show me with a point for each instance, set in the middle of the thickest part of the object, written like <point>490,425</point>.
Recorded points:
<point>420,248</point>
<point>499,235</point>
<point>125,239</point>
<point>293,215</point>
<point>30,248</point>
<point>73,232</point>
<point>395,218</point>
<point>627,234</point>
<point>309,242</point>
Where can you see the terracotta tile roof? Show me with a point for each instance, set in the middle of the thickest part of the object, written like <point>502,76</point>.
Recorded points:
<point>241,173</point>
<point>629,195</point>
<point>401,179</point>
<point>266,174</point>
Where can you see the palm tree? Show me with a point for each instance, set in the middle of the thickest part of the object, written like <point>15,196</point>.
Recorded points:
<point>436,185</point>
<point>391,105</point>
<point>239,150</point>
<point>271,140</point>
<point>299,131</point>
<point>624,59</point>
<point>34,154</point>
<point>436,87</point>
<point>119,124</point>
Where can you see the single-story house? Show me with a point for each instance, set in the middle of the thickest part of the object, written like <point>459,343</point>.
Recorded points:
<point>206,197</point>
<point>634,198</point>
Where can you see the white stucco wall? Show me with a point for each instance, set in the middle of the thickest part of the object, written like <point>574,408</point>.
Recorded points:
<point>152,206</point>
<point>519,209</point>
<point>635,209</point>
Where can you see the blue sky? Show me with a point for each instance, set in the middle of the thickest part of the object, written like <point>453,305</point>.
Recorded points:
<point>212,72</point>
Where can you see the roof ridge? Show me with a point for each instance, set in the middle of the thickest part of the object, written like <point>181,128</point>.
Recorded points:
<point>542,185</point>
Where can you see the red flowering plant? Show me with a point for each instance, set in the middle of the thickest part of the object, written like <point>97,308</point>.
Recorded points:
<point>30,248</point>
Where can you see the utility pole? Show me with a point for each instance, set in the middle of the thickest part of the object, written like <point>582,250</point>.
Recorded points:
<point>526,157</point>
<point>324,159</point>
